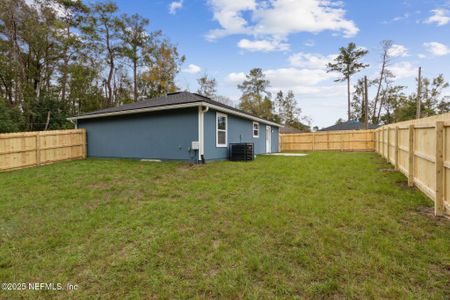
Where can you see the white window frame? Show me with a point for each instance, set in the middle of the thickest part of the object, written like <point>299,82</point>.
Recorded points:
<point>218,114</point>
<point>253,129</point>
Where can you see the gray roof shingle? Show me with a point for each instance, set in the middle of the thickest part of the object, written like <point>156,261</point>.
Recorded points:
<point>167,100</point>
<point>349,125</point>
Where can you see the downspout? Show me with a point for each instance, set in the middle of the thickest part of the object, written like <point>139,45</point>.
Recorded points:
<point>201,132</point>
<point>75,123</point>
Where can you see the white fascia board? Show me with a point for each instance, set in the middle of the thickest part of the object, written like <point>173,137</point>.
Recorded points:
<point>240,114</point>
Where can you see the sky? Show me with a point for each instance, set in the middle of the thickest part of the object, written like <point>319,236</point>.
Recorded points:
<point>292,40</point>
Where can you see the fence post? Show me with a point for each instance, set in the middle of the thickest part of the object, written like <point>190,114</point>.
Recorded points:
<point>396,148</point>
<point>313,140</point>
<point>411,156</point>
<point>388,156</point>
<point>279,141</point>
<point>439,201</point>
<point>38,148</point>
<point>328,140</point>
<point>84,141</point>
<point>377,141</point>
<point>382,142</point>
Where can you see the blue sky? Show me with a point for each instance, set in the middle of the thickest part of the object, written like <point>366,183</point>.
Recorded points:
<point>291,40</point>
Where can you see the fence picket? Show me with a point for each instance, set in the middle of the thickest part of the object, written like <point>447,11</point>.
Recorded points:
<point>27,149</point>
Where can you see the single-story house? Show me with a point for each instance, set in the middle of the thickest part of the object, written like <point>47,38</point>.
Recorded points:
<point>179,126</point>
<point>349,125</point>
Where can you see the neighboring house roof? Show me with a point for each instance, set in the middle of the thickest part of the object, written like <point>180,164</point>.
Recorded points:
<point>288,129</point>
<point>170,101</point>
<point>349,125</point>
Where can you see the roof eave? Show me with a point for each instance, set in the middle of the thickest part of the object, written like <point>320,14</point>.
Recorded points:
<point>240,114</point>
<point>136,111</point>
<point>176,106</point>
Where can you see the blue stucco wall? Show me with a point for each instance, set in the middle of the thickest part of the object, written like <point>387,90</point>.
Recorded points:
<point>162,135</point>
<point>239,131</point>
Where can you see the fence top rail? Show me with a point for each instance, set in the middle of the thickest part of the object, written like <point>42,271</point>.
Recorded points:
<point>418,126</point>
<point>332,132</point>
<point>34,133</point>
<point>431,119</point>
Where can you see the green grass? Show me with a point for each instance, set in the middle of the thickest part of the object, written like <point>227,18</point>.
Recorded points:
<point>328,225</point>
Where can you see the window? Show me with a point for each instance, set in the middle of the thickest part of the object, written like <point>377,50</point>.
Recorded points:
<point>221,130</point>
<point>255,129</point>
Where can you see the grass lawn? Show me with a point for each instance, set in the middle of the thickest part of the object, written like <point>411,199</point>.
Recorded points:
<point>328,225</point>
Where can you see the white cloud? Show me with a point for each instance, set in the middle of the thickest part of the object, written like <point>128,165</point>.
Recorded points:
<point>287,16</point>
<point>263,45</point>
<point>288,77</point>
<point>302,81</point>
<point>229,15</point>
<point>279,18</point>
<point>193,69</point>
<point>437,49</point>
<point>403,70</point>
<point>398,51</point>
<point>174,6</point>
<point>439,16</point>
<point>235,78</point>
<point>310,60</point>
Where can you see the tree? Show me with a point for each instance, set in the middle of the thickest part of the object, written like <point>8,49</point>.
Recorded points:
<point>62,58</point>
<point>224,100</point>
<point>10,118</point>
<point>400,107</point>
<point>339,121</point>
<point>432,100</point>
<point>136,39</point>
<point>255,97</point>
<point>348,63</point>
<point>207,86</point>
<point>288,111</point>
<point>104,32</point>
<point>384,77</point>
<point>393,99</point>
<point>357,104</point>
<point>73,13</point>
<point>163,63</point>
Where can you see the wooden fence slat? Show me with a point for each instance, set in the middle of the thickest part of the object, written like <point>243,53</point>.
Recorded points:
<point>396,148</point>
<point>355,140</point>
<point>422,153</point>
<point>28,149</point>
<point>439,164</point>
<point>411,156</point>
<point>38,149</point>
<point>388,156</point>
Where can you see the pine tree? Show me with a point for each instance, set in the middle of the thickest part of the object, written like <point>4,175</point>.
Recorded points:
<point>348,63</point>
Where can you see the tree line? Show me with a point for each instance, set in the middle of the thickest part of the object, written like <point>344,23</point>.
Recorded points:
<point>60,58</point>
<point>390,103</point>
<point>256,99</point>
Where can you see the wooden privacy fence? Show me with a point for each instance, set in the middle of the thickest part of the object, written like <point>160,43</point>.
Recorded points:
<point>349,140</point>
<point>420,149</point>
<point>27,149</point>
